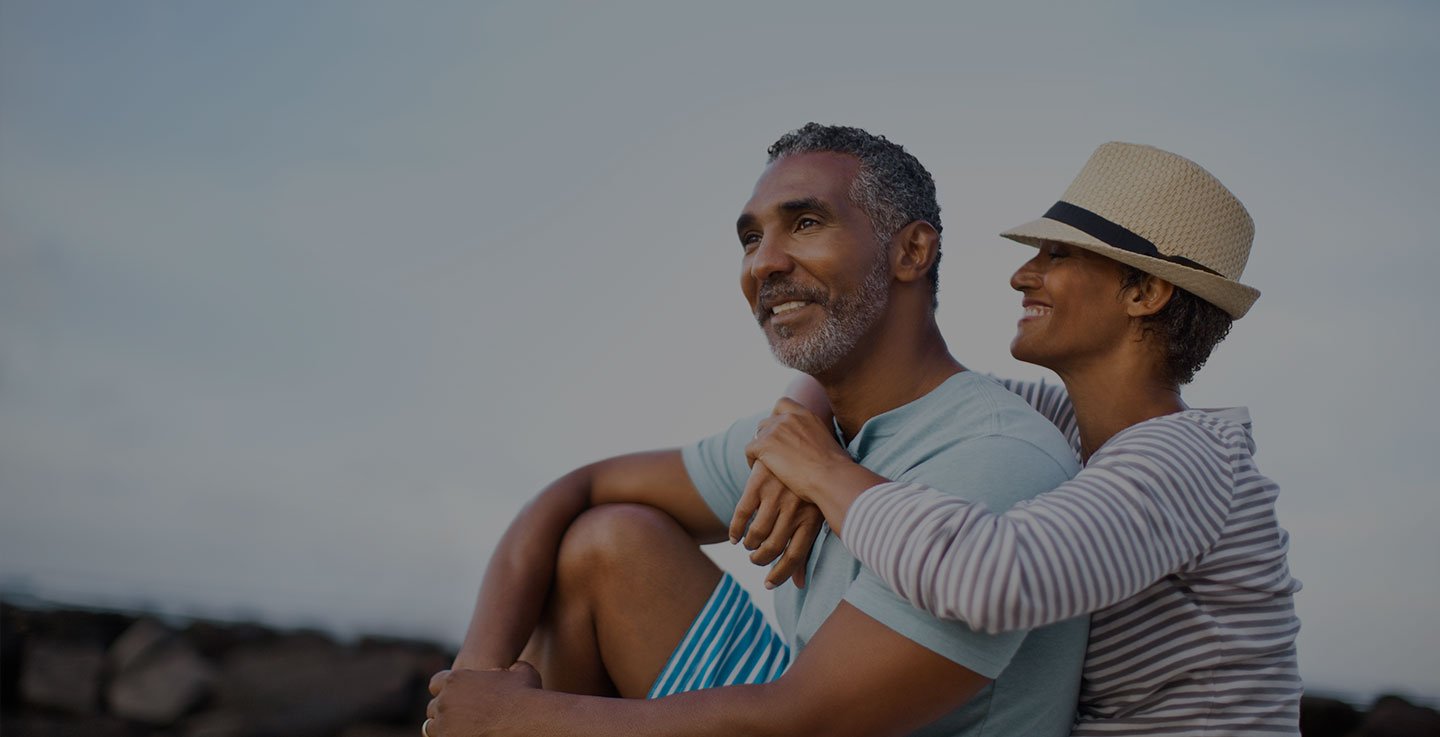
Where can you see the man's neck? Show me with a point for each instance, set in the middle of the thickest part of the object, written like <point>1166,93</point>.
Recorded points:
<point>903,366</point>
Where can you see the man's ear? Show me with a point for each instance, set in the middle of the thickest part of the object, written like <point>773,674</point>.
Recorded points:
<point>914,250</point>
<point>1148,297</point>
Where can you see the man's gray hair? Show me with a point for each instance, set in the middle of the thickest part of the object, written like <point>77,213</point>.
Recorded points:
<point>892,187</point>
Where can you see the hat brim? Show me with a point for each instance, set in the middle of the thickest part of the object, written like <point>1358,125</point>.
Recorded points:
<point>1229,295</point>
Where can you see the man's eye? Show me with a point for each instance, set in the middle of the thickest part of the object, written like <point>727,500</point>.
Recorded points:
<point>748,240</point>
<point>804,223</point>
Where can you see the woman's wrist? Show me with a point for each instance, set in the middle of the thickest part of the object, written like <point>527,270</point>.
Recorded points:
<point>840,488</point>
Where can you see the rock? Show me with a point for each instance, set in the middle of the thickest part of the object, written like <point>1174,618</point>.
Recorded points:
<point>215,724</point>
<point>1325,717</point>
<point>12,634</point>
<point>308,687</point>
<point>381,730</point>
<point>58,725</point>
<point>73,625</point>
<point>214,640</point>
<point>82,672</point>
<point>1392,716</point>
<point>156,677</point>
<point>62,675</point>
<point>162,685</point>
<point>135,642</point>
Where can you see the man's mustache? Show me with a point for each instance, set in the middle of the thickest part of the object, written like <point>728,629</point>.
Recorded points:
<point>785,289</point>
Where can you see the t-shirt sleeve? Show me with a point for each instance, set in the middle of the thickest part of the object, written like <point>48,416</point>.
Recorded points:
<point>717,466</point>
<point>997,471</point>
<point>1050,400</point>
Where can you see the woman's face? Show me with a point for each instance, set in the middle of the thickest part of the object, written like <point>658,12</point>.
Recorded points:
<point>1073,311</point>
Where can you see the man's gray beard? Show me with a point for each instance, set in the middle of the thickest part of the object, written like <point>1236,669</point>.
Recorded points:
<point>847,318</point>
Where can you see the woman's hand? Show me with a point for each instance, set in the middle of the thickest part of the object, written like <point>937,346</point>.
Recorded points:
<point>802,453</point>
<point>797,448</point>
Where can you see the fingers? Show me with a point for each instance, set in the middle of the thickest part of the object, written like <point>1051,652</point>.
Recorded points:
<point>755,446</point>
<point>788,406</point>
<point>775,524</point>
<point>437,682</point>
<point>755,497</point>
<point>773,544</point>
<point>797,554</point>
<point>767,425</point>
<point>749,502</point>
<point>794,446</point>
<point>772,504</point>
<point>532,676</point>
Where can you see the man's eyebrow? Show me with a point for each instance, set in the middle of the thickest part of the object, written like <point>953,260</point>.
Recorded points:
<point>808,204</point>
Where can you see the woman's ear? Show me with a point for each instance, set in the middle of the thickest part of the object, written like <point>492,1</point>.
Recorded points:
<point>914,250</point>
<point>1148,297</point>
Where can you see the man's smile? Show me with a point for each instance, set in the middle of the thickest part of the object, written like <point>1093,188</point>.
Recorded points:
<point>783,302</point>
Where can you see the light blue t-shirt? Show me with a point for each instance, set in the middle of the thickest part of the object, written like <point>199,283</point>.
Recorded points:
<point>972,437</point>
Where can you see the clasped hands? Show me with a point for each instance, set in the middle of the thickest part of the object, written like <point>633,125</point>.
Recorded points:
<point>492,701</point>
<point>777,517</point>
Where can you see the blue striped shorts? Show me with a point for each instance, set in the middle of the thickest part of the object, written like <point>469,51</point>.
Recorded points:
<point>728,643</point>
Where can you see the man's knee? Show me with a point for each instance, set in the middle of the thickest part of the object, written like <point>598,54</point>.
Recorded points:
<point>617,536</point>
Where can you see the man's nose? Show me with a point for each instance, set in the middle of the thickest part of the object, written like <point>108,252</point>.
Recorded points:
<point>769,257</point>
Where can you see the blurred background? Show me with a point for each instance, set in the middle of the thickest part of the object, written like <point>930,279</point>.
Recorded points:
<point>301,301</point>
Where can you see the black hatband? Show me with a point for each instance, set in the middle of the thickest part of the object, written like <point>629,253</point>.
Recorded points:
<point>1114,234</point>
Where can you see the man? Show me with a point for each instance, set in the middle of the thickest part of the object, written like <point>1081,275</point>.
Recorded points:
<point>602,574</point>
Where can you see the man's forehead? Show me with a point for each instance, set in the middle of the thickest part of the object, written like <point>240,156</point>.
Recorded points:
<point>823,175</point>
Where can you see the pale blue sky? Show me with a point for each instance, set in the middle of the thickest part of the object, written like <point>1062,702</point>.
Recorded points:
<point>299,301</point>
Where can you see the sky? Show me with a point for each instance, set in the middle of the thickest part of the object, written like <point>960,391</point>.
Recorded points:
<point>301,301</point>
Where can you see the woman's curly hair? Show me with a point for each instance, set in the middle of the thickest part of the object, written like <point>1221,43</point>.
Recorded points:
<point>1186,329</point>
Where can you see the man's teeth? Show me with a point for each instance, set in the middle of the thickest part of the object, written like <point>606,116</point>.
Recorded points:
<point>786,307</point>
<point>1036,311</point>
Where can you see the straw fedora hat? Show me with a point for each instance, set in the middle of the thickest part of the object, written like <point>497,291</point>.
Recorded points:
<point>1162,214</point>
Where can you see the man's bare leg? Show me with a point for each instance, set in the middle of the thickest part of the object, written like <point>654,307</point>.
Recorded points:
<point>628,583</point>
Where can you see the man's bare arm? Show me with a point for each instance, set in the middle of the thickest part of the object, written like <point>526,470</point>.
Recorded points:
<point>523,564</point>
<point>852,660</point>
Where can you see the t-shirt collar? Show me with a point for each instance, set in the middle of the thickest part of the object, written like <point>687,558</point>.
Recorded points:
<point>886,424</point>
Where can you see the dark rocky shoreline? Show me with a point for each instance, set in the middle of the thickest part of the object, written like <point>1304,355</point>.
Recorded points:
<point>108,674</point>
<point>67,671</point>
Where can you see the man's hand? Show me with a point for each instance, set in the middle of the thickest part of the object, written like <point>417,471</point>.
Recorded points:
<point>480,702</point>
<point>783,526</point>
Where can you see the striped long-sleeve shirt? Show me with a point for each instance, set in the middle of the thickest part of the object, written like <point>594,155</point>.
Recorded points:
<point>1167,537</point>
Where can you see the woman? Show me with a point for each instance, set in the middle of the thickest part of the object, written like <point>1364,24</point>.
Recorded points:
<point>1168,536</point>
